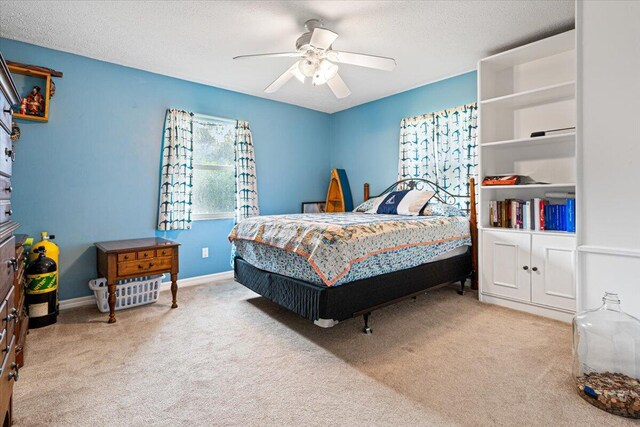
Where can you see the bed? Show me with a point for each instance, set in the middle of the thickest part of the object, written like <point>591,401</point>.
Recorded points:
<point>332,267</point>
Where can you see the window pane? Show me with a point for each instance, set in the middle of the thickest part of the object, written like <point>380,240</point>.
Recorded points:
<point>213,142</point>
<point>213,191</point>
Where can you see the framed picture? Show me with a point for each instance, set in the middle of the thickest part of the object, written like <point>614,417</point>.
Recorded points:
<point>314,207</point>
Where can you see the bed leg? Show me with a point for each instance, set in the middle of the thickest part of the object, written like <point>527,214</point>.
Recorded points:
<point>462,282</point>
<point>367,330</point>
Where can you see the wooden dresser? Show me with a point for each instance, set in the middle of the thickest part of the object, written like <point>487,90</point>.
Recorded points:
<point>11,313</point>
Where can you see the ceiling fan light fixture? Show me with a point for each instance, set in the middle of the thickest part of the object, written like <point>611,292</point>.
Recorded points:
<point>295,70</point>
<point>328,69</point>
<point>307,67</point>
<point>325,71</point>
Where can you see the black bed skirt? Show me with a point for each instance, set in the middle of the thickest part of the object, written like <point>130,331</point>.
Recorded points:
<point>344,301</point>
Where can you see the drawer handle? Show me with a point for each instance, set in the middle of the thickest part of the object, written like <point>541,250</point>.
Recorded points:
<point>12,316</point>
<point>13,263</point>
<point>15,375</point>
<point>8,110</point>
<point>9,212</point>
<point>140,266</point>
<point>10,153</point>
<point>8,189</point>
<point>145,255</point>
<point>126,257</point>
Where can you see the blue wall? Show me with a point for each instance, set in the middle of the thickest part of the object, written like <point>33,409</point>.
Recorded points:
<point>364,139</point>
<point>91,172</point>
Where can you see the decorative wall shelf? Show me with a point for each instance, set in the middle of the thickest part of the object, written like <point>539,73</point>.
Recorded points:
<point>40,73</point>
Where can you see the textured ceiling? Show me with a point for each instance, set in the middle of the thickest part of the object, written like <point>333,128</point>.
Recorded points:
<point>195,40</point>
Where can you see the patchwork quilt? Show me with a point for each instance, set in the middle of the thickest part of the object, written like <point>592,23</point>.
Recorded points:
<point>332,246</point>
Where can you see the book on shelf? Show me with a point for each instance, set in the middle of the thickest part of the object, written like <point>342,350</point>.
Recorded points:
<point>497,180</point>
<point>533,214</point>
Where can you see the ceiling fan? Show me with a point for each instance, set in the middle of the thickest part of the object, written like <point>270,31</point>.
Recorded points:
<point>318,60</point>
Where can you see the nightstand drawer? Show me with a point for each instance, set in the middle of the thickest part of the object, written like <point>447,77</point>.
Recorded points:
<point>148,254</point>
<point>164,252</point>
<point>129,256</point>
<point>144,266</point>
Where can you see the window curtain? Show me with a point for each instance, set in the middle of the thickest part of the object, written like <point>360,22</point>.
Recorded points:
<point>246,181</point>
<point>441,147</point>
<point>176,176</point>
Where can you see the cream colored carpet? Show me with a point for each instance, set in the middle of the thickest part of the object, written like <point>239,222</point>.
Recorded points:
<point>229,357</point>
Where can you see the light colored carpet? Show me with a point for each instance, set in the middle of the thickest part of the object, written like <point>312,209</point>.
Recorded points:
<point>229,357</point>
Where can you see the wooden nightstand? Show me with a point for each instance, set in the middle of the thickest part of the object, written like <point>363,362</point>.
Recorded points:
<point>127,259</point>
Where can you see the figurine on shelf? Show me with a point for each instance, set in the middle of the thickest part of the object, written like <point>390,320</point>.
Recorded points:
<point>35,102</point>
<point>23,106</point>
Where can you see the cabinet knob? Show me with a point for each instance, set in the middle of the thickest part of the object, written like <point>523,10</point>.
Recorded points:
<point>535,268</point>
<point>10,153</point>
<point>9,212</point>
<point>13,263</point>
<point>8,189</point>
<point>12,316</point>
<point>15,375</point>
<point>525,267</point>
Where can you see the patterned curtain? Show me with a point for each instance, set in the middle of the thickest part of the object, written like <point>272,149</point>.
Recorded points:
<point>246,181</point>
<point>176,179</point>
<point>441,147</point>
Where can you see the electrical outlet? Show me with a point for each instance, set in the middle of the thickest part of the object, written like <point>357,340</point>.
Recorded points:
<point>205,252</point>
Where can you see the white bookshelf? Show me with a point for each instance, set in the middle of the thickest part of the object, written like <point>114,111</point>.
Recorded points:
<point>527,89</point>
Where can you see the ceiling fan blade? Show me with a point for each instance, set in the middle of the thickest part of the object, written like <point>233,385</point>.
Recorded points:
<point>279,82</point>
<point>322,38</point>
<point>362,60</point>
<point>338,87</point>
<point>285,77</point>
<point>271,55</point>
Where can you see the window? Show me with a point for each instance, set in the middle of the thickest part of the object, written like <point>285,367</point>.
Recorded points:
<point>213,168</point>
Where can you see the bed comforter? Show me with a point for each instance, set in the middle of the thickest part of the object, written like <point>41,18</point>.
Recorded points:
<point>332,244</point>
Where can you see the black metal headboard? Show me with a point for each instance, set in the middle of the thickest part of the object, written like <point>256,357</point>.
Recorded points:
<point>441,194</point>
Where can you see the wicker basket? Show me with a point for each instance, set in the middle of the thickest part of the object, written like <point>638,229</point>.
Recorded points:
<point>129,293</point>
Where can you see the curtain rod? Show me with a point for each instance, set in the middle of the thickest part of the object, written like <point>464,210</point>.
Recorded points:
<point>209,116</point>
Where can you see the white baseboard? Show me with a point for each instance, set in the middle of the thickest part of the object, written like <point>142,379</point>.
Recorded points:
<point>207,279</point>
<point>558,314</point>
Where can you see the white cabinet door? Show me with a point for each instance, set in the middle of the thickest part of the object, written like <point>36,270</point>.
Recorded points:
<point>505,264</point>
<point>553,271</point>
